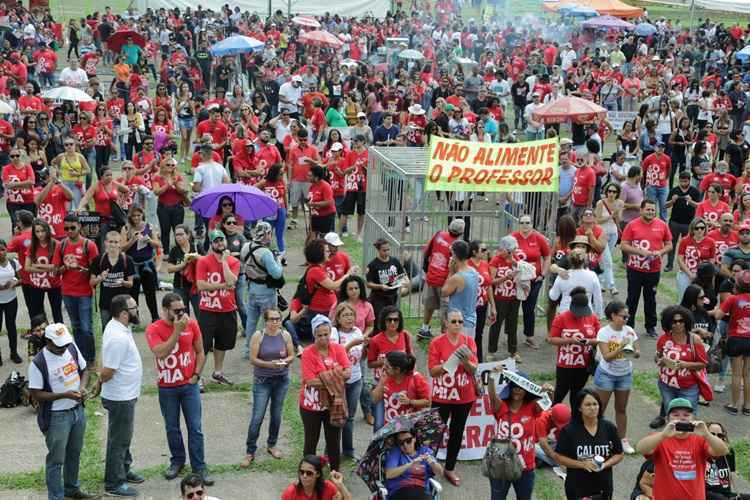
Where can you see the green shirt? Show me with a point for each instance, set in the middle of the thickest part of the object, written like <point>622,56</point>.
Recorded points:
<point>334,118</point>
<point>732,255</point>
<point>131,53</point>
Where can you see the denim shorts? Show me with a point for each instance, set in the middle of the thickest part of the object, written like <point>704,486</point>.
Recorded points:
<point>608,382</point>
<point>185,123</point>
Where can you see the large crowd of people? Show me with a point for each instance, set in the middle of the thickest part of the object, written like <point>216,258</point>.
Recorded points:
<point>98,192</point>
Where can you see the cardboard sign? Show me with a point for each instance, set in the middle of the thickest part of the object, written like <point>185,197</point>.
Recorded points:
<point>618,118</point>
<point>478,166</point>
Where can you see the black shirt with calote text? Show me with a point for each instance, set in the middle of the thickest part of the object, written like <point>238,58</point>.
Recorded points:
<point>383,273</point>
<point>112,284</point>
<point>682,212</point>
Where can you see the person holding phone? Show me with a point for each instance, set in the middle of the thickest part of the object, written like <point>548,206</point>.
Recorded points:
<point>177,344</point>
<point>680,453</point>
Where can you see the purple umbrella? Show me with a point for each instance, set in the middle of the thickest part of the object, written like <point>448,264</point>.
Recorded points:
<point>608,22</point>
<point>250,203</point>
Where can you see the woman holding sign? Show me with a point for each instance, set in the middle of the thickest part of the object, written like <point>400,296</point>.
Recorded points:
<point>516,411</point>
<point>452,360</point>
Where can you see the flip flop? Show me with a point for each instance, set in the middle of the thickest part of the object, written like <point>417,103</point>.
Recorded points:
<point>452,478</point>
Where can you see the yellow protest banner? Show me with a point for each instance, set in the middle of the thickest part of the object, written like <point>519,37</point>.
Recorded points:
<point>478,166</point>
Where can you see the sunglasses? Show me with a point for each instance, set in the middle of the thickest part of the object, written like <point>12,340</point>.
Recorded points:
<point>148,143</point>
<point>484,249</point>
<point>719,435</point>
<point>702,228</point>
<point>528,221</point>
<point>392,320</point>
<point>408,440</point>
<point>305,472</point>
<point>69,144</point>
<point>195,494</point>
<point>457,322</point>
<point>15,156</point>
<point>612,191</point>
<point>181,310</point>
<point>71,228</point>
<point>227,204</point>
<point>231,223</point>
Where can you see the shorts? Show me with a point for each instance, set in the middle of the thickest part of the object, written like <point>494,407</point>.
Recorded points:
<point>432,298</point>
<point>351,199</point>
<point>738,346</point>
<point>299,192</point>
<point>323,223</point>
<point>607,382</point>
<point>186,123</point>
<point>219,330</point>
<point>338,200</point>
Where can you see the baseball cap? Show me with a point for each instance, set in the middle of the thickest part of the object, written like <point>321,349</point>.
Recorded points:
<point>261,229</point>
<point>579,305</point>
<point>361,115</point>
<point>58,333</point>
<point>215,234</point>
<point>659,144</point>
<point>336,146</point>
<point>678,403</point>
<point>297,78</point>
<point>333,239</point>
<point>560,414</point>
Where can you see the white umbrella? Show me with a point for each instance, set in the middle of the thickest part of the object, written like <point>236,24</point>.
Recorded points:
<point>465,61</point>
<point>308,21</point>
<point>5,108</point>
<point>67,94</point>
<point>412,54</point>
<point>350,62</point>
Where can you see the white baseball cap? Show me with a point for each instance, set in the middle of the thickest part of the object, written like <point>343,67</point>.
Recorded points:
<point>333,239</point>
<point>58,333</point>
<point>337,146</point>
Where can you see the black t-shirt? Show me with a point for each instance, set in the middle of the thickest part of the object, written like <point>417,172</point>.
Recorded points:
<point>383,273</point>
<point>112,284</point>
<point>719,473</point>
<point>176,256</point>
<point>575,442</point>
<point>703,320</point>
<point>737,155</point>
<point>518,91</point>
<point>682,212</point>
<point>204,59</point>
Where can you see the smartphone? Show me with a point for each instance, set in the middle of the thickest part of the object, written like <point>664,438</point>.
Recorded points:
<point>684,426</point>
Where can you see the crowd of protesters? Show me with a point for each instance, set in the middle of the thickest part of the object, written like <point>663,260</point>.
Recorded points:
<point>666,192</point>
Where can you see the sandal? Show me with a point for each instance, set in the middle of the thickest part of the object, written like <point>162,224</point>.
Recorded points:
<point>732,410</point>
<point>247,461</point>
<point>275,453</point>
<point>452,478</point>
<point>530,343</point>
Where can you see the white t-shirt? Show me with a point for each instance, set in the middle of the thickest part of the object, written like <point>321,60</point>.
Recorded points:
<point>288,91</point>
<point>354,354</point>
<point>63,376</point>
<point>613,339</point>
<point>7,273</point>
<point>209,174</point>
<point>73,78</point>
<point>120,353</point>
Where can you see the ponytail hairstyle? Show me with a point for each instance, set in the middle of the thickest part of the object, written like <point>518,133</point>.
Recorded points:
<point>318,462</point>
<point>405,363</point>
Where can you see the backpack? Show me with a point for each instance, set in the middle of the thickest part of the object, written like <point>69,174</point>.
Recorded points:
<point>64,243</point>
<point>256,272</point>
<point>303,293</point>
<point>12,390</point>
<point>44,414</point>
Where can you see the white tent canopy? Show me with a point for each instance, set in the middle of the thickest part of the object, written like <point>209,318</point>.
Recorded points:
<point>725,5</point>
<point>377,8</point>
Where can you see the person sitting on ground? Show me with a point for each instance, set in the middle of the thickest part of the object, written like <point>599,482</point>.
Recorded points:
<point>405,480</point>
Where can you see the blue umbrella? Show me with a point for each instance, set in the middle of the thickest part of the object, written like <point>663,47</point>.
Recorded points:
<point>582,11</point>
<point>250,203</point>
<point>645,29</point>
<point>743,54</point>
<point>236,44</point>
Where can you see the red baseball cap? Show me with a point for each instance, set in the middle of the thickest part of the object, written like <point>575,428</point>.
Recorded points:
<point>560,414</point>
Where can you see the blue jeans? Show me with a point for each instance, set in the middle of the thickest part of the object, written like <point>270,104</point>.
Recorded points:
<point>77,194</point>
<point>289,326</point>
<point>279,226</point>
<point>257,303</point>
<point>187,398</point>
<point>79,311</point>
<point>378,413</point>
<point>64,440</point>
<point>119,435</point>
<point>669,393</point>
<point>523,487</point>
<point>535,135</point>
<point>240,290</point>
<point>352,398</point>
<point>266,389</point>
<point>365,399</point>
<point>659,194</point>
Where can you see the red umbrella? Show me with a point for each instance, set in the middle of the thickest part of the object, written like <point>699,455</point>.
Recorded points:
<point>321,38</point>
<point>308,21</point>
<point>568,108</point>
<point>119,38</point>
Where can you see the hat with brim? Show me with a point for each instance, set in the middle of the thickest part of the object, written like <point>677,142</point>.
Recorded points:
<point>679,403</point>
<point>333,239</point>
<point>579,305</point>
<point>58,333</point>
<point>416,109</point>
<point>581,240</point>
<point>215,235</point>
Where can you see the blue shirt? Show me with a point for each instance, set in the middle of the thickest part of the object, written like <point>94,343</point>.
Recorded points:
<point>386,134</point>
<point>466,300</point>
<point>410,478</point>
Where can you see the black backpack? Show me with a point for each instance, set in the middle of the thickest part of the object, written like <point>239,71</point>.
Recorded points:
<point>269,281</point>
<point>303,293</point>
<point>12,390</point>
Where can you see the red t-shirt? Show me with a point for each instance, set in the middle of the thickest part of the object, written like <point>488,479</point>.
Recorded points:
<point>657,169</point>
<point>648,236</point>
<point>277,191</point>
<point>312,364</point>
<point>680,468</point>
<point>142,159</point>
<point>171,196</point>
<point>217,129</point>
<point>594,256</point>
<point>506,289</point>
<point>75,282</point>
<point>209,269</point>
<point>5,128</point>
<point>45,280</point>
<point>322,298</point>
<point>682,378</point>
<point>359,159</point>
<point>726,181</point>
<point>722,242</point>
<point>520,428</point>
<point>440,255</point>
<point>738,306</point>
<point>86,137</point>
<point>338,265</point>
<point>299,168</point>
<point>116,106</point>
<point>712,213</point>
<point>414,385</point>
<point>483,269</point>
<point>446,388</point>
<point>320,191</point>
<point>532,249</point>
<point>11,173</point>
<point>566,326</point>
<point>696,252</point>
<point>336,176</point>
<point>20,245</point>
<point>267,155</point>
<point>380,345</point>
<point>292,493</point>
<point>585,181</point>
<point>176,369</point>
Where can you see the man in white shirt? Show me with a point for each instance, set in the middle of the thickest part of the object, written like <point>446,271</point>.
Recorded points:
<point>534,129</point>
<point>290,94</point>
<point>57,381</point>
<point>120,382</point>
<point>209,173</point>
<point>567,57</point>
<point>74,76</point>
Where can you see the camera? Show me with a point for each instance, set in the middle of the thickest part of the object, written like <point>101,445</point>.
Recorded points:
<point>684,426</point>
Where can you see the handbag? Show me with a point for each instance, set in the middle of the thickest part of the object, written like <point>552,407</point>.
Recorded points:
<point>119,218</point>
<point>501,461</point>
<point>592,364</point>
<point>701,377</point>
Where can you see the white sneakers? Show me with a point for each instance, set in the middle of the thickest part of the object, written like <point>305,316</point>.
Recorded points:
<point>627,448</point>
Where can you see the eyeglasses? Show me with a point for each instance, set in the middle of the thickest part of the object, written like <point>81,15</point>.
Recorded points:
<point>71,228</point>
<point>392,320</point>
<point>305,472</point>
<point>526,222</point>
<point>719,435</point>
<point>274,318</point>
<point>402,442</point>
<point>195,494</point>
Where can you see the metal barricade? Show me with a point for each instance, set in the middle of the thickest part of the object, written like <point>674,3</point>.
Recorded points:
<point>402,212</point>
